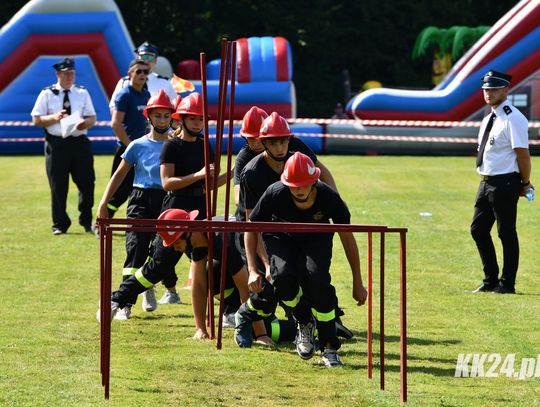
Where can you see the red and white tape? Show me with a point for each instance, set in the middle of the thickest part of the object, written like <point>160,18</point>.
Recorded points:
<point>386,123</point>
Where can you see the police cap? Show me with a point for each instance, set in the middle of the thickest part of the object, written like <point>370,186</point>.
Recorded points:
<point>495,80</point>
<point>66,64</point>
<point>147,48</point>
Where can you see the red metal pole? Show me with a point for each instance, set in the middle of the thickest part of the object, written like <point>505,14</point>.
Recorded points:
<point>403,317</point>
<point>106,321</point>
<point>101,295</point>
<point>370,308</point>
<point>381,310</point>
<point>222,94</point>
<point>208,196</point>
<point>227,192</point>
<point>222,102</point>
<point>204,95</point>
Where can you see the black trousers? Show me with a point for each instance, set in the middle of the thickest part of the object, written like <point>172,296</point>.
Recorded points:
<point>124,189</point>
<point>65,156</point>
<point>496,200</point>
<point>144,203</point>
<point>161,265</point>
<point>300,271</point>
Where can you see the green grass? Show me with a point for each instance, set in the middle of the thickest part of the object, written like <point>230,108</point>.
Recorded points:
<point>49,339</point>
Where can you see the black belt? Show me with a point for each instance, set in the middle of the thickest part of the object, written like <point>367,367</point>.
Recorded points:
<point>198,191</point>
<point>498,176</point>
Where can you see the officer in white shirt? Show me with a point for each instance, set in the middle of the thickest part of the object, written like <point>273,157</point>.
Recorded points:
<point>504,165</point>
<point>149,53</point>
<point>67,149</point>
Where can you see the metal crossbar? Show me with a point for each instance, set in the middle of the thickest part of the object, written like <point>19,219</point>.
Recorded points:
<point>108,226</point>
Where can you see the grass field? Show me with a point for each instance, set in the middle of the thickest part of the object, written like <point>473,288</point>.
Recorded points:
<point>49,338</point>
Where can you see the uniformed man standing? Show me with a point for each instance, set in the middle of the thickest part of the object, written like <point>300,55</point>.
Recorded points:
<point>67,149</point>
<point>504,165</point>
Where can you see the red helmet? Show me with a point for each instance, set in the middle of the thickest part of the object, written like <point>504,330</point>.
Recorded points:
<point>274,126</point>
<point>192,104</point>
<point>159,100</point>
<point>251,123</point>
<point>299,171</point>
<point>177,102</point>
<point>173,234</point>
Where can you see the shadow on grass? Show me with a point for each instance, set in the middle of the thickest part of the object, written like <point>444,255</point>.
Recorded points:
<point>410,340</point>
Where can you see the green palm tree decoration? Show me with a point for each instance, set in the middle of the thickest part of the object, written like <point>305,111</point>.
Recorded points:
<point>448,45</point>
<point>465,38</point>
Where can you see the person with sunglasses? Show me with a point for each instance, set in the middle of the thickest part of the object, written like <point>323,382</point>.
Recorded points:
<point>148,53</point>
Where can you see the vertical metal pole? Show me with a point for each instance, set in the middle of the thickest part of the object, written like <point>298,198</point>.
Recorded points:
<point>106,321</point>
<point>381,310</point>
<point>403,317</point>
<point>227,194</point>
<point>207,188</point>
<point>102,255</point>
<point>370,307</point>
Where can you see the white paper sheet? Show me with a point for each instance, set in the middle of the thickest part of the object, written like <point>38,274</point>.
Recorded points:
<point>68,124</point>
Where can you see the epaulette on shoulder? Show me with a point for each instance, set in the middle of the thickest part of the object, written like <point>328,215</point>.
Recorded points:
<point>162,77</point>
<point>80,86</point>
<point>52,88</point>
<point>507,109</point>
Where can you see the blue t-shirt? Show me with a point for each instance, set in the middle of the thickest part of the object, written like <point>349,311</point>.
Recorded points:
<point>143,154</point>
<point>132,103</point>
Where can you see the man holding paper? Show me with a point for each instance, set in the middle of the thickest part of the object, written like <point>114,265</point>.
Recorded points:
<point>65,110</point>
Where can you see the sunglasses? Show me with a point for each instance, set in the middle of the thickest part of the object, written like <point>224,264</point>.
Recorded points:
<point>140,71</point>
<point>147,57</point>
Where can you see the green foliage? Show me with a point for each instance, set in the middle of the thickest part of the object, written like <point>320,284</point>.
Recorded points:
<point>465,38</point>
<point>49,338</point>
<point>430,37</point>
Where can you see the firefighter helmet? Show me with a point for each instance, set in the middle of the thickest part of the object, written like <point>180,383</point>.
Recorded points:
<point>274,126</point>
<point>192,104</point>
<point>300,171</point>
<point>172,234</point>
<point>158,100</point>
<point>251,123</point>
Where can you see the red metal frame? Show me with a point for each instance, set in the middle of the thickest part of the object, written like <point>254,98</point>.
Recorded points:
<point>107,226</point>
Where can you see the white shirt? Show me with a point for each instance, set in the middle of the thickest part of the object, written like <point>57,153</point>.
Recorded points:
<point>154,82</point>
<point>48,103</point>
<point>509,131</point>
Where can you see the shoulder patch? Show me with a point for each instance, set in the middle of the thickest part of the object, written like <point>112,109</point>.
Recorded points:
<point>80,86</point>
<point>162,77</point>
<point>507,109</point>
<point>52,88</point>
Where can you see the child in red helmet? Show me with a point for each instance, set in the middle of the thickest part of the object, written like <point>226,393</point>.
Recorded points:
<point>146,198</point>
<point>300,265</point>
